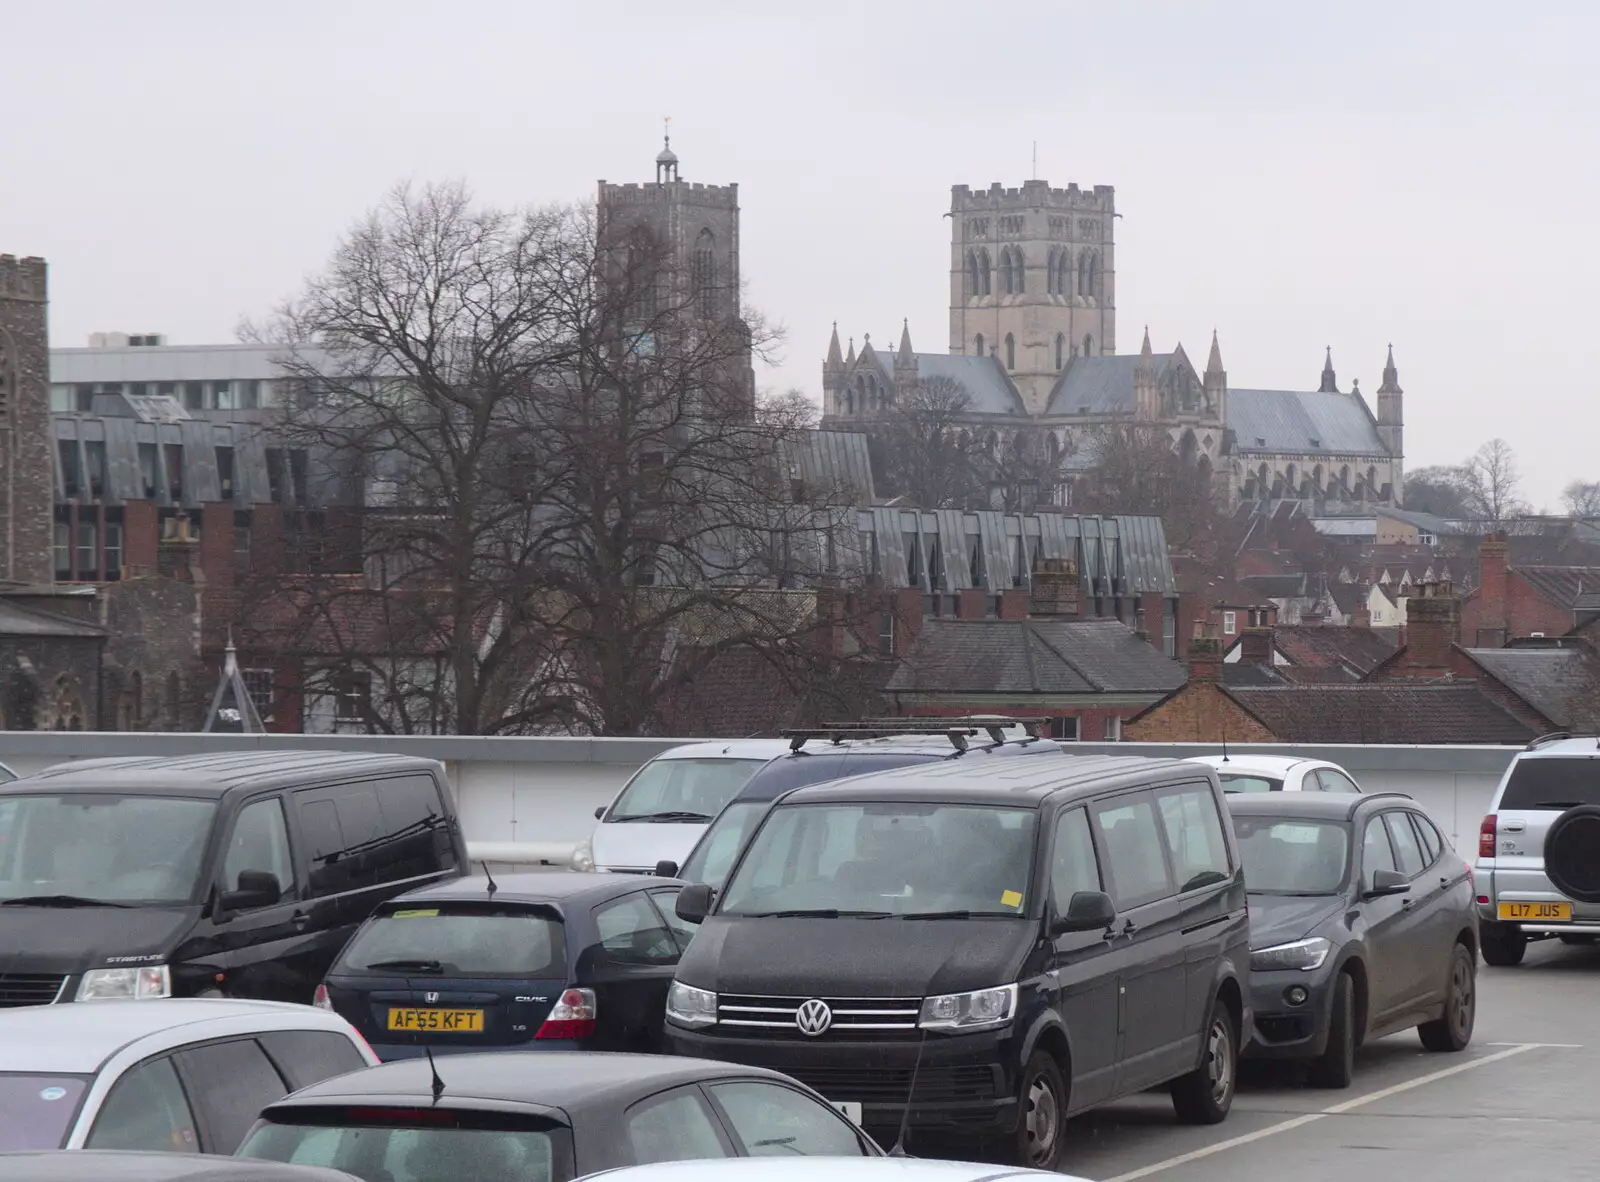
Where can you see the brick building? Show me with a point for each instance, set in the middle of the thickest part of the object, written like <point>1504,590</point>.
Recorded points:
<point>1524,599</point>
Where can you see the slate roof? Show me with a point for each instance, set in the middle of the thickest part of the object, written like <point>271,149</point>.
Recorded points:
<point>988,388</point>
<point>1033,657</point>
<point>1562,585</point>
<point>1359,648</point>
<point>1102,385</point>
<point>1277,586</point>
<point>1561,683</point>
<point>1214,588</point>
<point>24,621</point>
<point>740,694</point>
<point>832,463</point>
<point>1380,712</point>
<point>1292,421</point>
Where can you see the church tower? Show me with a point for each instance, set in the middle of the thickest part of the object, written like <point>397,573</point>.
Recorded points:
<point>1391,422</point>
<point>1032,279</point>
<point>27,480</point>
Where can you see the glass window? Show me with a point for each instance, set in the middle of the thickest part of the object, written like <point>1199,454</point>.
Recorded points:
<point>1334,780</point>
<point>342,826</point>
<point>222,395</point>
<point>504,1151</point>
<point>88,550</point>
<point>1551,782</point>
<point>632,932</point>
<point>695,788</point>
<point>1433,842</point>
<point>1292,857</point>
<point>675,1127</point>
<point>1406,847</point>
<point>1376,852</point>
<point>416,830</point>
<point>1136,862</point>
<point>466,939</point>
<point>899,858</point>
<point>666,903</point>
<point>1239,783</point>
<point>63,548</point>
<point>714,854</point>
<point>232,1081</point>
<point>1073,865</point>
<point>146,1110</point>
<point>774,1121</point>
<point>36,1111</point>
<point>105,846</point>
<point>305,1057</point>
<point>1194,837</point>
<point>260,843</point>
<point>62,399</point>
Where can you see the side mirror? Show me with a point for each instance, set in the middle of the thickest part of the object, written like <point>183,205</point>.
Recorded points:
<point>257,888</point>
<point>1386,882</point>
<point>599,812</point>
<point>694,902</point>
<point>666,868</point>
<point>1086,911</point>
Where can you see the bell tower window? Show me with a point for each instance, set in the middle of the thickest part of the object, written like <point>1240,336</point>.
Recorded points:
<point>705,275</point>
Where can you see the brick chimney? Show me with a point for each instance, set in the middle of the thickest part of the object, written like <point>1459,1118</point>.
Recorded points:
<point>1255,646</point>
<point>1205,655</point>
<point>1433,626</point>
<point>1055,588</point>
<point>1493,575</point>
<point>1361,617</point>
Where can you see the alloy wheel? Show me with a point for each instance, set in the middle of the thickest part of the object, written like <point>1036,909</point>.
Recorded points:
<point>1041,1119</point>
<point>1219,1061</point>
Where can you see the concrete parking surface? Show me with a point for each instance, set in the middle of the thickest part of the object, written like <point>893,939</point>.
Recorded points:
<point>1522,1101</point>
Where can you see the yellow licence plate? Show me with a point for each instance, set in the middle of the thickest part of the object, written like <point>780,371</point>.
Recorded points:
<point>1548,912</point>
<point>438,1021</point>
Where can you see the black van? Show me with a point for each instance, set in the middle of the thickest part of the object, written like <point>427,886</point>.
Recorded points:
<point>1024,944</point>
<point>238,875</point>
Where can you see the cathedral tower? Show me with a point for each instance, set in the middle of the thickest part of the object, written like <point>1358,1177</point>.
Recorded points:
<point>27,481</point>
<point>1391,422</point>
<point>1032,279</point>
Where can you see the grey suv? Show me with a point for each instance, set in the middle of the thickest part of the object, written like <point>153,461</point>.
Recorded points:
<point>1538,868</point>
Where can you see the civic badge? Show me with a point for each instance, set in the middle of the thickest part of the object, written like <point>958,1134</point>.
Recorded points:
<point>430,998</point>
<point>813,1017</point>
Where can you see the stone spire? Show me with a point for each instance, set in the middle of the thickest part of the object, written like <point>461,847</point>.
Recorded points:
<point>1391,376</point>
<point>1146,398</point>
<point>905,341</point>
<point>1330,384</point>
<point>835,361</point>
<point>1145,352</point>
<point>1216,382</point>
<point>850,357</point>
<point>1214,362</point>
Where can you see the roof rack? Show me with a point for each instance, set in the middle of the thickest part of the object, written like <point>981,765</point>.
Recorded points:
<point>1552,737</point>
<point>957,730</point>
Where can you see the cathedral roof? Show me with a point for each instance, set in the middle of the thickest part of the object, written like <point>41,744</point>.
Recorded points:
<point>1102,385</point>
<point>1292,421</point>
<point>989,389</point>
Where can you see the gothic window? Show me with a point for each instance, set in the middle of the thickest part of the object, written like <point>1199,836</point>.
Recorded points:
<point>1054,444</point>
<point>640,279</point>
<point>1088,274</point>
<point>5,378</point>
<point>1011,351</point>
<point>1088,345</point>
<point>990,443</point>
<point>705,275</point>
<point>974,278</point>
<point>1316,479</point>
<point>985,268</point>
<point>1050,272</point>
<point>1061,349</point>
<point>849,402</point>
<point>1019,274</point>
<point>1289,480</point>
<point>978,344</point>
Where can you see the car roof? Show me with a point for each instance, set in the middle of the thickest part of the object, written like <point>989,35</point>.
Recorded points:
<point>1321,806</point>
<point>839,1169</point>
<point>769,784</point>
<point>551,886</point>
<point>1013,782</point>
<point>1563,747</point>
<point>214,773</point>
<point>728,749</point>
<point>78,1038</point>
<point>555,1079</point>
<point>92,1165</point>
<point>1248,762</point>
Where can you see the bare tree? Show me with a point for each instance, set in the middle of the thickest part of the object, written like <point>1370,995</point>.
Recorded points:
<point>1441,490</point>
<point>571,494</point>
<point>1138,470</point>
<point>926,448</point>
<point>1491,483</point>
<point>1582,498</point>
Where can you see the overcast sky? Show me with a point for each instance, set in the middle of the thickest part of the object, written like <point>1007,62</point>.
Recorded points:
<point>1295,175</point>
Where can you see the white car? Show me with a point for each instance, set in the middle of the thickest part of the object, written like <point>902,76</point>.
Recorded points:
<point>664,808</point>
<point>185,1075</point>
<point>1278,773</point>
<point>834,1169</point>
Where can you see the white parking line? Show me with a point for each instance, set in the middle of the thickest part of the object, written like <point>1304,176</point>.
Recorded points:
<point>1334,1110</point>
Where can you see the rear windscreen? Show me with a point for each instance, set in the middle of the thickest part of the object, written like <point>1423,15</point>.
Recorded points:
<point>458,940</point>
<point>36,1111</point>
<point>1238,783</point>
<point>421,1146</point>
<point>1552,782</point>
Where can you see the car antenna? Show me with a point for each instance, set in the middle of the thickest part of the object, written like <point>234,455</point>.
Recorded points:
<point>899,1149</point>
<point>436,1083</point>
<point>1224,742</point>
<point>492,887</point>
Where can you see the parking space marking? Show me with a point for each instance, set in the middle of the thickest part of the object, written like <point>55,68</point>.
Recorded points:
<point>1335,1110</point>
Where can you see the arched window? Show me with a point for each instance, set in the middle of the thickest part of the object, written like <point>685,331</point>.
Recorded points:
<point>1088,345</point>
<point>1055,447</point>
<point>705,275</point>
<point>1061,350</point>
<point>985,268</point>
<point>1050,271</point>
<point>1372,481</point>
<point>1316,479</point>
<point>1064,280</point>
<point>990,443</point>
<point>1005,270</point>
<point>1019,274</point>
<point>849,402</point>
<point>1289,480</point>
<point>1011,351</point>
<point>1344,479</point>
<point>978,345</point>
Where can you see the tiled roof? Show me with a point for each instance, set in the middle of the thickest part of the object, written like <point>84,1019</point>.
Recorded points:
<point>1311,423</point>
<point>1561,683</point>
<point>1214,588</point>
<point>1277,586</point>
<point>1561,585</point>
<point>741,694</point>
<point>1033,657</point>
<point>1380,712</point>
<point>1360,648</point>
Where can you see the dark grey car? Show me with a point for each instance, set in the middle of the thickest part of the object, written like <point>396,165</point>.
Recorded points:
<point>1361,924</point>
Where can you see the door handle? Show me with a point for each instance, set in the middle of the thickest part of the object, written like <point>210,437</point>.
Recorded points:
<point>1129,928</point>
<point>1109,935</point>
<point>299,919</point>
<point>1405,904</point>
<point>1445,880</point>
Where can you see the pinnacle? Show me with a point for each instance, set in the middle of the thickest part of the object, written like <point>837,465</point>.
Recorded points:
<point>1214,363</point>
<point>834,358</point>
<point>905,339</point>
<point>1144,350</point>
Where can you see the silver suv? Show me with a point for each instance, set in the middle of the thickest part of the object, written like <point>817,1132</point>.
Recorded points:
<point>1538,868</point>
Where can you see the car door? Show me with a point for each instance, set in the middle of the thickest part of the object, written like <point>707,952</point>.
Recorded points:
<point>630,969</point>
<point>1084,966</point>
<point>230,1082</point>
<point>266,948</point>
<point>1148,934</point>
<point>1421,911</point>
<point>1383,926</point>
<point>676,1125</point>
<point>769,1119</point>
<point>145,1110</point>
<point>1453,905</point>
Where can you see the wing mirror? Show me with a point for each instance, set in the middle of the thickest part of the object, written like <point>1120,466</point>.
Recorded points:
<point>666,868</point>
<point>599,812</point>
<point>694,902</point>
<point>1086,911</point>
<point>257,888</point>
<point>1386,882</point>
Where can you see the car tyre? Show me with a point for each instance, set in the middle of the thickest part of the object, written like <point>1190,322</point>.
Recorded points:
<point>1041,1115</point>
<point>1502,945</point>
<point>1336,1066</point>
<point>1453,1030</point>
<point>1204,1095</point>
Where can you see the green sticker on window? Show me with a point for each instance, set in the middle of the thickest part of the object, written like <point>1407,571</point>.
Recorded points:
<point>415,914</point>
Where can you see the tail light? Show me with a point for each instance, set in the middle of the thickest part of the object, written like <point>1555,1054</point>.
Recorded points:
<point>321,1000</point>
<point>1486,836</point>
<point>573,1016</point>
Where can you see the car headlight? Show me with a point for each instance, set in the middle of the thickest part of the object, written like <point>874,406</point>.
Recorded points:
<point>146,981</point>
<point>688,1006</point>
<point>583,857</point>
<point>1299,954</point>
<point>982,1009</point>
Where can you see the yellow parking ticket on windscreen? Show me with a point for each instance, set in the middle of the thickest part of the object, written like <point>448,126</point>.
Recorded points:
<point>1011,898</point>
<point>415,913</point>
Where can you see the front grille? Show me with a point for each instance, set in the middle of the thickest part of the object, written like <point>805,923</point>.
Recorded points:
<point>1283,1027</point>
<point>935,1084</point>
<point>872,1017</point>
<point>29,989</point>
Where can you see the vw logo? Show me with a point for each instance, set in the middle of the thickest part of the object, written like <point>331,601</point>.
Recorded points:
<point>813,1017</point>
<point>430,998</point>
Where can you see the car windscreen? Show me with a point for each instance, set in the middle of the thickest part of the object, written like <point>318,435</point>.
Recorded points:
<point>1239,782</point>
<point>458,940</point>
<point>420,1144</point>
<point>886,859</point>
<point>86,847</point>
<point>36,1111</point>
<point>1292,855</point>
<point>685,790</point>
<point>1552,782</point>
<point>720,844</point>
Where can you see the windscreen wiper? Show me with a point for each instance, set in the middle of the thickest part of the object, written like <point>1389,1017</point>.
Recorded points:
<point>407,966</point>
<point>663,816</point>
<point>958,914</point>
<point>58,901</point>
<point>819,913</point>
<point>1557,804</point>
